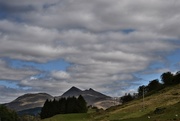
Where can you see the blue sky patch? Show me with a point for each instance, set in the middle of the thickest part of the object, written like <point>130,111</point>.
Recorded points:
<point>49,66</point>
<point>9,84</point>
<point>127,31</point>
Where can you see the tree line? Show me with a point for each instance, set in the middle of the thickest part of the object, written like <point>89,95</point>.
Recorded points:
<point>167,79</point>
<point>128,97</point>
<point>63,106</point>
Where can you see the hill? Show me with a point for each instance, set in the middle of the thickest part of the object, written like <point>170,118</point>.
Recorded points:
<point>32,112</point>
<point>167,99</point>
<point>28,101</point>
<point>161,106</point>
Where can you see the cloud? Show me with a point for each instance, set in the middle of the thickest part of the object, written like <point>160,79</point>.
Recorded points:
<point>101,15</point>
<point>62,75</point>
<point>91,36</point>
<point>8,73</point>
<point>9,94</point>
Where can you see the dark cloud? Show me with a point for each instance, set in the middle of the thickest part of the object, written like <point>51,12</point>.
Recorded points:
<point>10,9</point>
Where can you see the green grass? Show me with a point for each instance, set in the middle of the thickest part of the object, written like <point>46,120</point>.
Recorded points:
<point>134,111</point>
<point>170,113</point>
<point>69,117</point>
<point>168,98</point>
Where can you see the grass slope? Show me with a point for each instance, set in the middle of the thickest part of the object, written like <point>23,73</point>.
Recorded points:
<point>168,98</point>
<point>69,117</point>
<point>170,113</point>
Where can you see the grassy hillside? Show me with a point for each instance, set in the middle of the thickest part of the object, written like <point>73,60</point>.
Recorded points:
<point>162,106</point>
<point>166,98</point>
<point>69,117</point>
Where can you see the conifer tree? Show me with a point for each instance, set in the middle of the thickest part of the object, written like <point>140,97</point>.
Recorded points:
<point>82,104</point>
<point>63,106</point>
<point>45,110</point>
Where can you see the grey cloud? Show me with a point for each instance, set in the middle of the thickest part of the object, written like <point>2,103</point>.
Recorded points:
<point>8,73</point>
<point>13,9</point>
<point>105,15</point>
<point>89,34</point>
<point>49,85</point>
<point>97,57</point>
<point>100,15</point>
<point>9,94</point>
<point>20,6</point>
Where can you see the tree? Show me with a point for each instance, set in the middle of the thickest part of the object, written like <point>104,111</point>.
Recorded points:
<point>142,90</point>
<point>63,106</point>
<point>45,112</point>
<point>153,85</point>
<point>70,105</point>
<point>167,78</point>
<point>127,97</point>
<point>82,105</point>
<point>176,79</point>
<point>7,114</point>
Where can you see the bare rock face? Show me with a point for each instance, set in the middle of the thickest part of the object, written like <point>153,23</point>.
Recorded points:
<point>29,101</point>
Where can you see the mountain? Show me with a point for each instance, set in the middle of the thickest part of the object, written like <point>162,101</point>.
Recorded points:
<point>28,101</point>
<point>91,96</point>
<point>32,103</point>
<point>33,111</point>
<point>73,91</point>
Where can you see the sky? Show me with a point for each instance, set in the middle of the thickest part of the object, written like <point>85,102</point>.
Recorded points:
<point>112,46</point>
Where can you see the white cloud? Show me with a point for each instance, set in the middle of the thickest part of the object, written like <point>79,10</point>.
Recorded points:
<point>60,75</point>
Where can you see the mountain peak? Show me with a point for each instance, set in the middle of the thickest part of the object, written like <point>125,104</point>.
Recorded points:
<point>90,89</point>
<point>73,91</point>
<point>74,88</point>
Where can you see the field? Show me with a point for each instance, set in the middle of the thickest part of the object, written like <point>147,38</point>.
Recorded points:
<point>161,106</point>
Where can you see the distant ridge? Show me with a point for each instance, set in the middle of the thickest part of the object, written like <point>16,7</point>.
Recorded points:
<point>28,101</point>
<point>32,103</point>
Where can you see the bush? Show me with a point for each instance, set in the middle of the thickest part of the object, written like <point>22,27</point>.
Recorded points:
<point>7,114</point>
